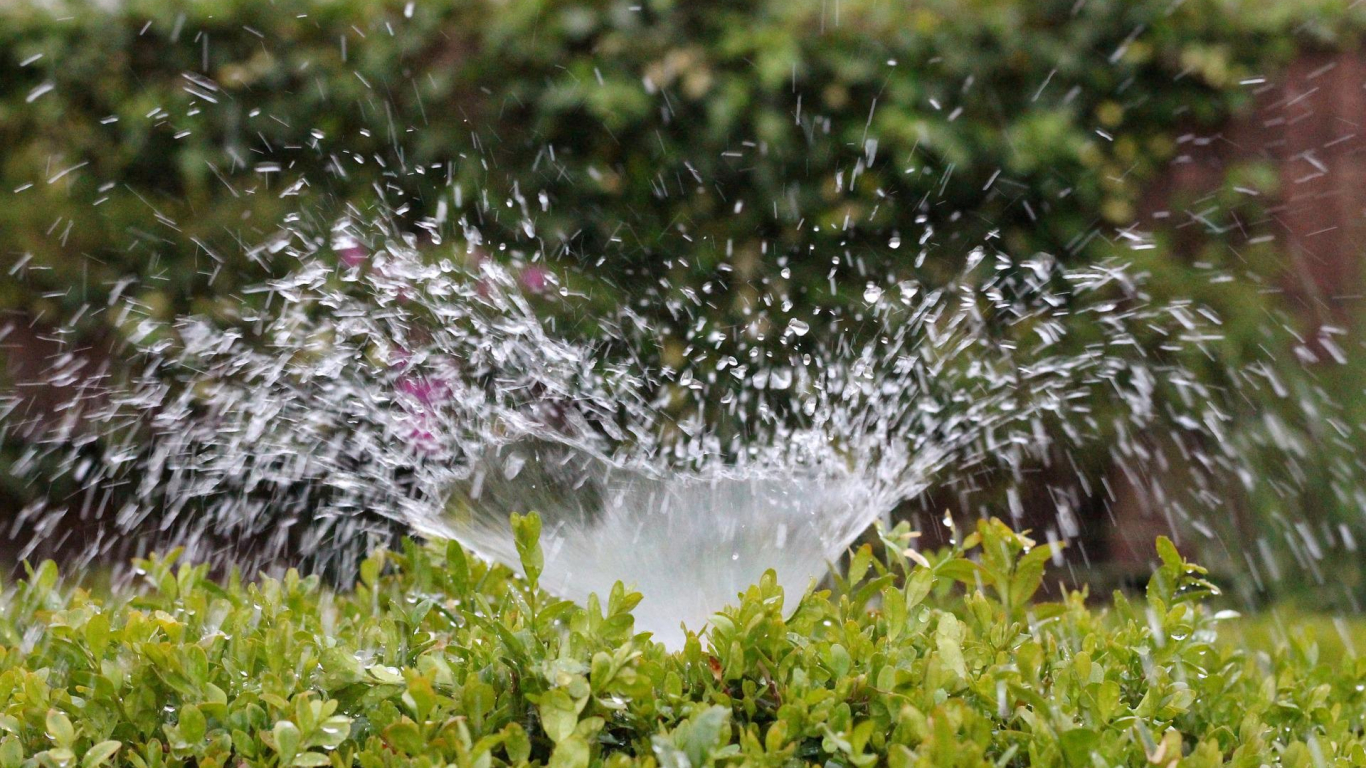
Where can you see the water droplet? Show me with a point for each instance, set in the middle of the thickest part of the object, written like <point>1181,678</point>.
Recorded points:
<point>513,465</point>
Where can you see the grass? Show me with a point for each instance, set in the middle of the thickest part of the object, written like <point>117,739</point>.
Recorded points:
<point>1327,638</point>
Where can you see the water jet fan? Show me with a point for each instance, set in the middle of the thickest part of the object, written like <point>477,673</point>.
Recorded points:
<point>420,392</point>
<point>689,542</point>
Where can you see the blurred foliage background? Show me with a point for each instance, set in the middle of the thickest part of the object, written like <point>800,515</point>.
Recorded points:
<point>730,148</point>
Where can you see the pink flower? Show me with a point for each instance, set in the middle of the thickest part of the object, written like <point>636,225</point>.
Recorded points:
<point>423,440</point>
<point>425,390</point>
<point>535,278</point>
<point>352,255</point>
<point>422,435</point>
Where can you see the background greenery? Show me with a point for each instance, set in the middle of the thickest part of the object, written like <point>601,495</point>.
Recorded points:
<point>661,145</point>
<point>665,136</point>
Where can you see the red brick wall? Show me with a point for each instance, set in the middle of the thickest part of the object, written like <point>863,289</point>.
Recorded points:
<point>1311,125</point>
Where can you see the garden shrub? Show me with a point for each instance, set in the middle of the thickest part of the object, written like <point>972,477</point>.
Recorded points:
<point>438,659</point>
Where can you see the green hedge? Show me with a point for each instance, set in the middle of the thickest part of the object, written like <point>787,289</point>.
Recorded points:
<point>676,144</point>
<point>437,659</point>
<point>667,137</point>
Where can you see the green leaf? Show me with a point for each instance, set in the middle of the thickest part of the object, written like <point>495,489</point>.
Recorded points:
<point>958,569</point>
<point>516,743</point>
<point>370,569</point>
<point>331,732</point>
<point>559,715</point>
<point>59,729</point>
<point>1040,555</point>
<point>838,660</point>
<point>870,590</point>
<point>100,753</point>
<point>244,744</point>
<point>1024,583</point>
<point>1166,550</point>
<point>527,531</point>
<point>192,724</point>
<point>573,752</point>
<point>894,609</point>
<point>948,640</point>
<point>1078,744</point>
<point>97,634</point>
<point>859,564</point>
<point>918,586</point>
<point>1107,700</point>
<point>900,756</point>
<point>197,665</point>
<point>420,697</point>
<point>457,567</point>
<point>11,752</point>
<point>287,738</point>
<point>405,736</point>
<point>701,734</point>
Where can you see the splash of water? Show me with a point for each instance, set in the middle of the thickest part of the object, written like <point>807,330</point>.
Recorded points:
<point>687,541</point>
<point>417,389</point>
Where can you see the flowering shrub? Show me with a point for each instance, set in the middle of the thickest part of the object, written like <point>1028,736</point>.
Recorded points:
<point>438,659</point>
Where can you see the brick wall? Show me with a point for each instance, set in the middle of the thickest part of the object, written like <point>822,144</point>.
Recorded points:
<point>1311,125</point>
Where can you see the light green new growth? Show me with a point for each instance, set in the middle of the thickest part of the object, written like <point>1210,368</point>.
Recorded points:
<point>438,659</point>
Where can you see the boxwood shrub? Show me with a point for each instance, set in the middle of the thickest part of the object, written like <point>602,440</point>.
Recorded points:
<point>435,658</point>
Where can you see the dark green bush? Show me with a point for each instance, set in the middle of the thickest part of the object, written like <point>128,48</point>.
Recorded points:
<point>666,137</point>
<point>438,659</point>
